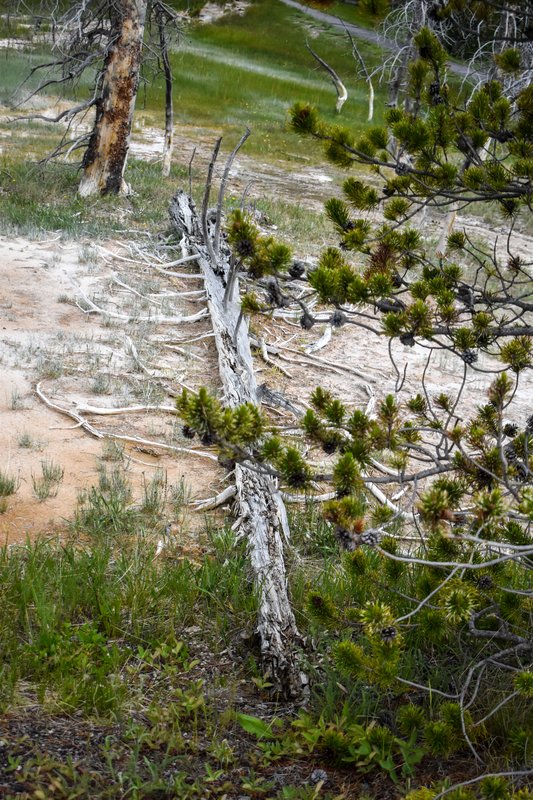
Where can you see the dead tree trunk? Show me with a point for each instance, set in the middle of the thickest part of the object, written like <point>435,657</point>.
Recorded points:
<point>104,161</point>
<point>169,108</point>
<point>261,510</point>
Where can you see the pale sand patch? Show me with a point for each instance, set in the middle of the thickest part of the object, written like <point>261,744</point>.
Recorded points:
<point>44,336</point>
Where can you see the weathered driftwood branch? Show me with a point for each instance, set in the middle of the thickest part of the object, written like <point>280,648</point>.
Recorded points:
<point>214,502</point>
<point>92,308</point>
<point>320,343</point>
<point>222,190</point>
<point>261,512</point>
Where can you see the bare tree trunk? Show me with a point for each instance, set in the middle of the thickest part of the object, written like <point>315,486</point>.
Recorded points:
<point>262,515</point>
<point>105,158</point>
<point>169,108</point>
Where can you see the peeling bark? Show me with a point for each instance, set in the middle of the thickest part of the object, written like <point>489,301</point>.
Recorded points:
<point>104,161</point>
<point>261,511</point>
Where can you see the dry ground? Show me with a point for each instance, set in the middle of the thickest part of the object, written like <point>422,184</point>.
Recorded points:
<point>126,356</point>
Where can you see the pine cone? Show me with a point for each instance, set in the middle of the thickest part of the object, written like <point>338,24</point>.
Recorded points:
<point>469,356</point>
<point>338,319</point>
<point>347,539</point>
<point>407,339</point>
<point>388,634</point>
<point>245,248</point>
<point>330,445</point>
<point>466,296</point>
<point>396,279</point>
<point>522,472</point>
<point>297,269</point>
<point>510,453</point>
<point>510,429</point>
<point>306,321</point>
<point>274,294</point>
<point>370,538</point>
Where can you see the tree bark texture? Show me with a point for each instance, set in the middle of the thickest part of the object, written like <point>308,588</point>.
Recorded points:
<point>105,158</point>
<point>261,511</point>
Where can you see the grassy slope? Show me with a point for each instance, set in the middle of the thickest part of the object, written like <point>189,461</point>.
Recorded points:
<point>248,70</point>
<point>227,77</point>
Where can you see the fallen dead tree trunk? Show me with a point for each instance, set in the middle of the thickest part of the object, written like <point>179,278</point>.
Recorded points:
<point>261,511</point>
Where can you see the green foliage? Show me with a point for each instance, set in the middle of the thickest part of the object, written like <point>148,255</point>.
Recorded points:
<point>508,60</point>
<point>304,119</point>
<point>204,415</point>
<point>440,738</point>
<point>261,255</point>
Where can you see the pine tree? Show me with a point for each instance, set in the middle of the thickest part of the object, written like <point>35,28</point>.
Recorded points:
<point>459,545</point>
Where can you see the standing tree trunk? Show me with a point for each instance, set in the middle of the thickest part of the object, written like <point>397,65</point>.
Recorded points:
<point>169,108</point>
<point>261,511</point>
<point>105,158</point>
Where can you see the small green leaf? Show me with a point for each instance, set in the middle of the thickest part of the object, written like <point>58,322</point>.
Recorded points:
<point>255,726</point>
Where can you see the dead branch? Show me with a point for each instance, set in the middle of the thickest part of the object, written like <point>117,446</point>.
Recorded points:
<point>340,88</point>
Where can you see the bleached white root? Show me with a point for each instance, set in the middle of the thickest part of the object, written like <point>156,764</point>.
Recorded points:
<point>156,320</point>
<point>187,353</point>
<point>136,440</point>
<point>135,356</point>
<point>82,408</point>
<point>266,358</point>
<point>324,340</point>
<point>318,362</point>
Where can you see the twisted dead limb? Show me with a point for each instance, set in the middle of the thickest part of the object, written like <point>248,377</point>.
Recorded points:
<point>262,518</point>
<point>340,88</point>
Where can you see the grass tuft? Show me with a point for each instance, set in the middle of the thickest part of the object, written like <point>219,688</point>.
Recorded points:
<point>47,484</point>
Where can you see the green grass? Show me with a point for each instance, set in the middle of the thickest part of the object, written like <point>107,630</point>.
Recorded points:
<point>8,484</point>
<point>356,13</point>
<point>155,655</point>
<point>40,198</point>
<point>47,484</point>
<point>228,77</point>
<point>17,82</point>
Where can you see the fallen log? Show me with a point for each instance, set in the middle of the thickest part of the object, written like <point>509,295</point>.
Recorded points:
<point>260,508</point>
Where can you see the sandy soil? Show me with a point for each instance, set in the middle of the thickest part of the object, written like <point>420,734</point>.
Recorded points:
<point>46,339</point>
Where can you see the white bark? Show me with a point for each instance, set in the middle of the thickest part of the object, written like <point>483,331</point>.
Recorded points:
<point>340,88</point>
<point>261,512</point>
